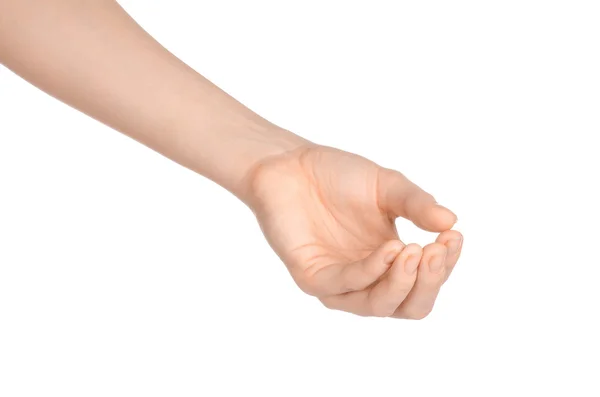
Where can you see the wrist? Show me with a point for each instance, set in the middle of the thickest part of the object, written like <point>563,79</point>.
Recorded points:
<point>229,146</point>
<point>264,148</point>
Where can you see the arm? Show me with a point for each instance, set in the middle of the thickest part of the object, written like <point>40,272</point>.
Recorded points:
<point>93,56</point>
<point>328,214</point>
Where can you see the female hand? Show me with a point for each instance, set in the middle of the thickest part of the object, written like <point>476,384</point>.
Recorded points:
<point>329,215</point>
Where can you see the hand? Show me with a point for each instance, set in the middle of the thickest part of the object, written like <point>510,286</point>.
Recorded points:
<point>329,215</point>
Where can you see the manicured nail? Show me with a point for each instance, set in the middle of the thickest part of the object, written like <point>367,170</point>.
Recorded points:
<point>436,263</point>
<point>454,246</point>
<point>411,264</point>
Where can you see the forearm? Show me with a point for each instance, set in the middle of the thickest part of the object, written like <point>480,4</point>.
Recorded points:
<point>93,56</point>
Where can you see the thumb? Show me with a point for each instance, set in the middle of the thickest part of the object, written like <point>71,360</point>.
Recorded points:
<point>399,197</point>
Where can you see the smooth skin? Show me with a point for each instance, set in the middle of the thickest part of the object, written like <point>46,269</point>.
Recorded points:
<point>328,214</point>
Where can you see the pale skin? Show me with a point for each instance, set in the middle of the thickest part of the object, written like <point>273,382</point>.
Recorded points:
<point>328,214</point>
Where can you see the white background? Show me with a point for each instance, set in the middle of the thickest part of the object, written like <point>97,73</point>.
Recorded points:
<point>124,274</point>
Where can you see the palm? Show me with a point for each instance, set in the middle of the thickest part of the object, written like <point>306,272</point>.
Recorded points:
<point>325,209</point>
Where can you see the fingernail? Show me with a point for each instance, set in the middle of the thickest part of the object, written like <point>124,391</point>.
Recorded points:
<point>411,264</point>
<point>436,263</point>
<point>454,246</point>
<point>389,258</point>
